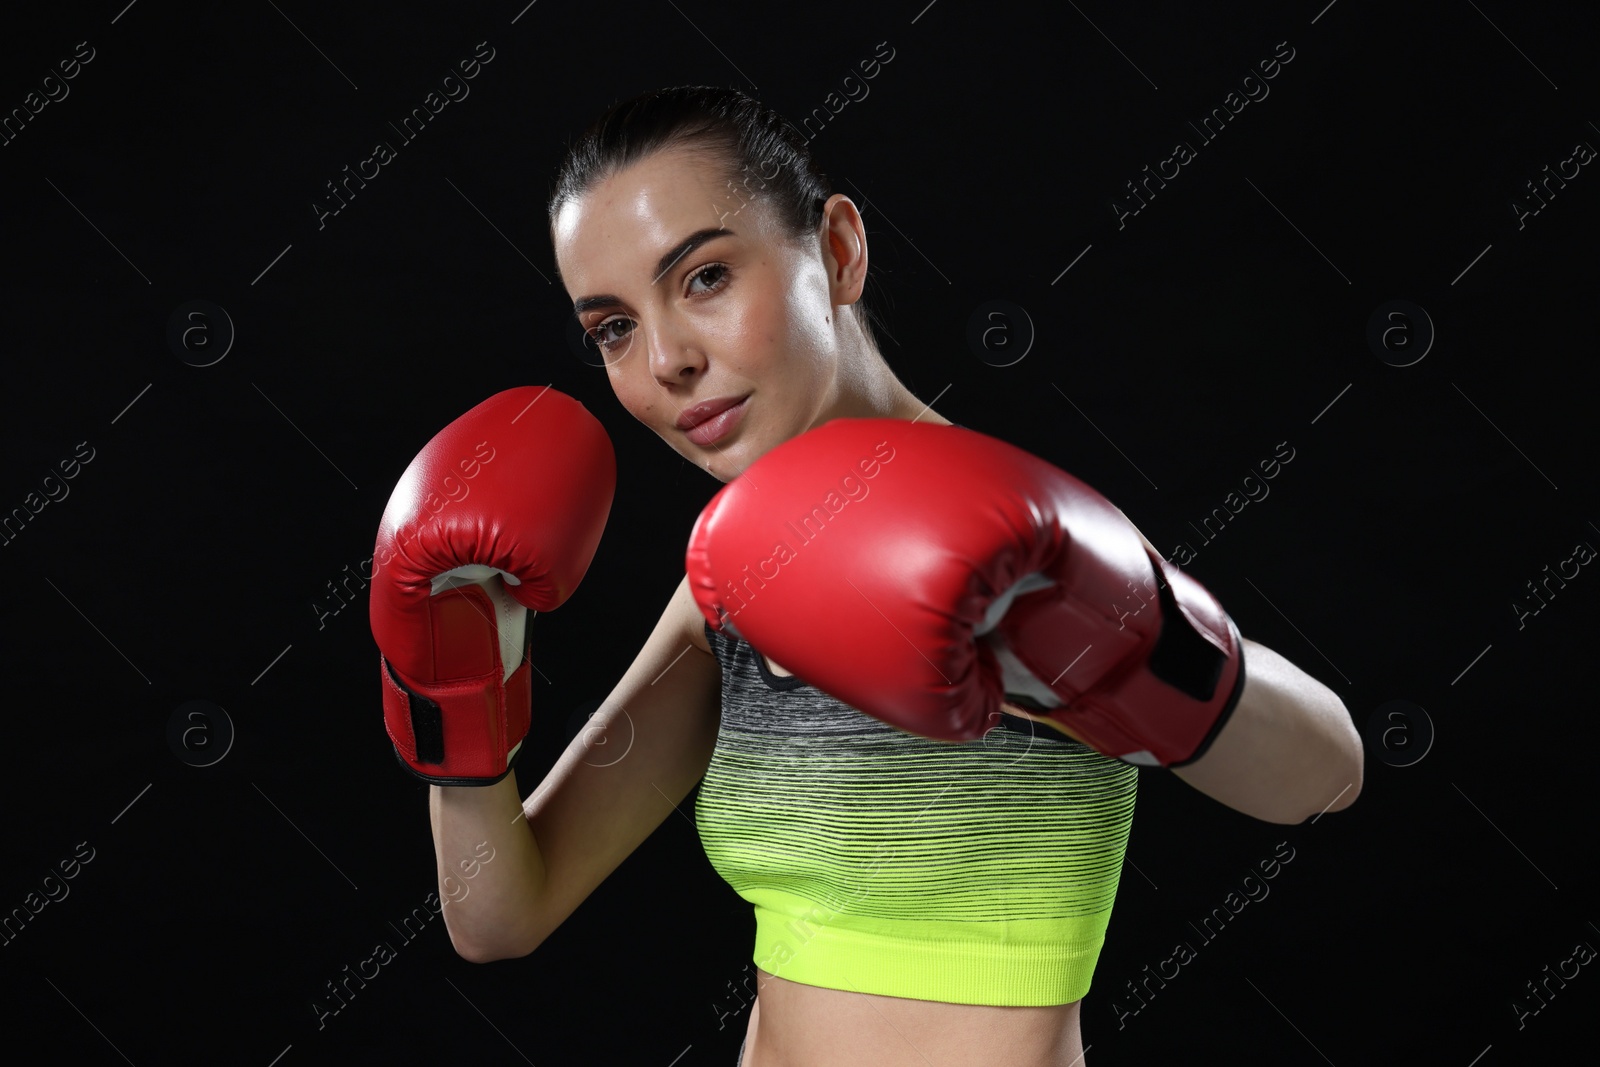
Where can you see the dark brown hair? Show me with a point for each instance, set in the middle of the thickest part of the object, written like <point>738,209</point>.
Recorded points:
<point>764,156</point>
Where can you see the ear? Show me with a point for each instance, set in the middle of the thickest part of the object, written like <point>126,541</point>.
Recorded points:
<point>844,249</point>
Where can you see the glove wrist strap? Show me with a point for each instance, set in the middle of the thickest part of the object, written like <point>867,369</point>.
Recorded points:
<point>464,732</point>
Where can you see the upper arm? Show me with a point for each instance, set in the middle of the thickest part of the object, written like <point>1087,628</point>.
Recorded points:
<point>639,756</point>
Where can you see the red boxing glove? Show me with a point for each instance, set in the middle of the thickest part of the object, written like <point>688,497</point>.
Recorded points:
<point>501,512</point>
<point>921,573</point>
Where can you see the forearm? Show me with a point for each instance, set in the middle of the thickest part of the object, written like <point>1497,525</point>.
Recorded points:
<point>1288,751</point>
<point>489,867</point>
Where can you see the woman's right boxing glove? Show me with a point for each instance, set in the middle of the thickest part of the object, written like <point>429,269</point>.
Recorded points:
<point>501,512</point>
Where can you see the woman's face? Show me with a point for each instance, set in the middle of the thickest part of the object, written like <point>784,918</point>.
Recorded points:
<point>690,321</point>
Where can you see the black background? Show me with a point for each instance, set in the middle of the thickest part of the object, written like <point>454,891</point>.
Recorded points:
<point>1229,315</point>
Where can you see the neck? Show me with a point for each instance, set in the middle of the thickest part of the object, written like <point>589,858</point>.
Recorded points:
<point>871,391</point>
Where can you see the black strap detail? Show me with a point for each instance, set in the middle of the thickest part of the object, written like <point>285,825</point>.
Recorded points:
<point>1038,730</point>
<point>427,721</point>
<point>439,779</point>
<point>1182,657</point>
<point>1221,721</point>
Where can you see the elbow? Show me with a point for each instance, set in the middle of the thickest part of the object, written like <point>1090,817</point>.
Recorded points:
<point>1349,768</point>
<point>1353,789</point>
<point>476,953</point>
<point>487,951</point>
<point>1336,790</point>
<point>1340,786</point>
<point>484,953</point>
<point>473,951</point>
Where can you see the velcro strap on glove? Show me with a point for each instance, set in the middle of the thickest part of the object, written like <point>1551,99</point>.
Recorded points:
<point>466,732</point>
<point>466,727</point>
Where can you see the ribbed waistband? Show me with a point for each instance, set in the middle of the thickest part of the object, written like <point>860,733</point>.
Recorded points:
<point>1030,962</point>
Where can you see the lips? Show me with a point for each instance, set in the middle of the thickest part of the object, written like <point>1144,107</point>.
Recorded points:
<point>705,410</point>
<point>707,432</point>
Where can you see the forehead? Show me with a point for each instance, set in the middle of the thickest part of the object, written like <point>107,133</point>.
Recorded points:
<point>629,217</point>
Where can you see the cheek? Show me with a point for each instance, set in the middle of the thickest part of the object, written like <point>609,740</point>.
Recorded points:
<point>764,328</point>
<point>637,398</point>
<point>806,340</point>
<point>809,310</point>
<point>748,340</point>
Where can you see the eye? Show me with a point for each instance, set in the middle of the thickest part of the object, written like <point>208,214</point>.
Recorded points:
<point>601,336</point>
<point>718,273</point>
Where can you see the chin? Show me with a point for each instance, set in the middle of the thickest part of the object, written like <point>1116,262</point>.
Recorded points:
<point>708,460</point>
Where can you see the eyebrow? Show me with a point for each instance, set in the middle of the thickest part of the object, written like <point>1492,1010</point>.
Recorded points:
<point>675,253</point>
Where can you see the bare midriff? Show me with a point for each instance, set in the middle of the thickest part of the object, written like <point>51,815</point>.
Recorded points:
<point>795,1025</point>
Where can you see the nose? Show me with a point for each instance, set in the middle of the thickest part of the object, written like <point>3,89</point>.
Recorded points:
<point>675,355</point>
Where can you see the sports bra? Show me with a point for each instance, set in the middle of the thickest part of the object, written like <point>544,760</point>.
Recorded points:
<point>878,861</point>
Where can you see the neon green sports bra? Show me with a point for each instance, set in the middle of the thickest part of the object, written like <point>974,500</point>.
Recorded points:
<point>878,861</point>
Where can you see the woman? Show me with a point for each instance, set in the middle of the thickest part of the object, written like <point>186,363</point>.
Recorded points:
<point>932,902</point>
